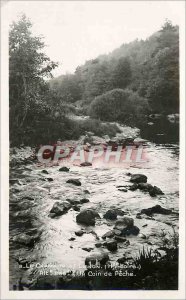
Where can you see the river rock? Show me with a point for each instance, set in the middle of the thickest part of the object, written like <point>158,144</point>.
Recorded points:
<point>88,249</point>
<point>108,234</point>
<point>123,223</point>
<point>79,233</point>
<point>122,260</point>
<point>44,172</point>
<point>84,200</point>
<point>134,230</point>
<point>98,245</point>
<point>64,169</point>
<point>126,226</point>
<point>120,239</point>
<point>137,178</point>
<point>111,214</point>
<point>59,208</point>
<point>25,239</point>
<point>96,258</point>
<point>87,217</point>
<point>112,245</point>
<point>157,209</point>
<point>155,191</point>
<point>86,164</point>
<point>73,201</point>
<point>74,181</point>
<point>50,179</point>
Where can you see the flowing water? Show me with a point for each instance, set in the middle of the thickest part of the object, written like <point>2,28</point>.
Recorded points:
<point>32,197</point>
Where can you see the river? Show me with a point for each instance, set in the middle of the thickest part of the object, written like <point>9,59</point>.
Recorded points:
<point>32,196</point>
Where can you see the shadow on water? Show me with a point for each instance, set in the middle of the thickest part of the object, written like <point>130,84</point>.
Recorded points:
<point>161,131</point>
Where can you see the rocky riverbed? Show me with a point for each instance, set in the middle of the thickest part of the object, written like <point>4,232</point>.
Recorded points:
<point>63,217</point>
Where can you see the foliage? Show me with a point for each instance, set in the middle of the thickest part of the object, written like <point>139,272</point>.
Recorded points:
<point>149,67</point>
<point>121,105</point>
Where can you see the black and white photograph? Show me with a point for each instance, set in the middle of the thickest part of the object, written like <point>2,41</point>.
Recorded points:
<point>94,112</point>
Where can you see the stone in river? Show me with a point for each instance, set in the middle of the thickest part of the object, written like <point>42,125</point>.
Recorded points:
<point>87,217</point>
<point>134,230</point>
<point>79,233</point>
<point>123,223</point>
<point>157,209</point>
<point>108,234</point>
<point>86,164</point>
<point>120,239</point>
<point>74,181</point>
<point>110,214</point>
<point>25,239</point>
<point>98,245</point>
<point>96,258</point>
<point>84,200</point>
<point>72,239</point>
<point>112,245</point>
<point>59,208</point>
<point>137,178</point>
<point>155,191</point>
<point>44,172</point>
<point>50,179</point>
<point>64,169</point>
<point>87,249</point>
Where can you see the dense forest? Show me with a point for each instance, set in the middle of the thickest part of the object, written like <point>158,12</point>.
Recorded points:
<point>128,84</point>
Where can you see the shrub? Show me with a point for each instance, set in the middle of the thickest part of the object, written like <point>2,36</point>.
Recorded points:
<point>119,105</point>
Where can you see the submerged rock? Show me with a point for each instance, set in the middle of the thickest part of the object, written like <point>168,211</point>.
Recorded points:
<point>87,217</point>
<point>64,169</point>
<point>137,178</point>
<point>94,259</point>
<point>157,209</point>
<point>59,208</point>
<point>74,181</point>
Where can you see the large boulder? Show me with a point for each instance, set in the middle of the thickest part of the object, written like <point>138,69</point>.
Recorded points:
<point>87,217</point>
<point>123,223</point>
<point>126,226</point>
<point>96,258</point>
<point>157,209</point>
<point>59,208</point>
<point>74,181</point>
<point>137,178</point>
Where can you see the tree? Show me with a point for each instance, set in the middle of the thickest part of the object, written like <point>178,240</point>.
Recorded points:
<point>122,74</point>
<point>28,66</point>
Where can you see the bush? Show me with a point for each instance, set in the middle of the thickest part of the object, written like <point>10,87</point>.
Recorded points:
<point>96,126</point>
<point>125,106</point>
